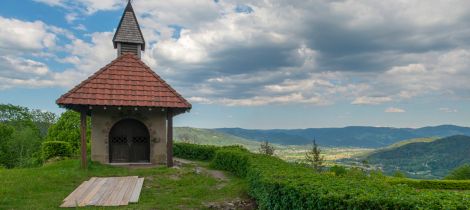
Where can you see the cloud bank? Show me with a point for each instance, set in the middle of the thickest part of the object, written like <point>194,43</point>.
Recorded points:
<point>255,53</point>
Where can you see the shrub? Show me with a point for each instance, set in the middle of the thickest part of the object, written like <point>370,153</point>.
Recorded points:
<point>399,174</point>
<point>52,149</point>
<point>460,173</point>
<point>194,151</point>
<point>433,184</point>
<point>231,159</point>
<point>338,170</point>
<point>276,184</point>
<point>198,152</point>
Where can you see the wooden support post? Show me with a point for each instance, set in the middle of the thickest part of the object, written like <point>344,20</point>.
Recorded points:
<point>83,137</point>
<point>169,139</point>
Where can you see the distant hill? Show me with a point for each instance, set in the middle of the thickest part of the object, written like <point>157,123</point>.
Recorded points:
<point>353,136</point>
<point>409,141</point>
<point>432,159</point>
<point>211,137</point>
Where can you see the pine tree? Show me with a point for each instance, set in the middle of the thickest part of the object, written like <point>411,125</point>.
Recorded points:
<point>314,158</point>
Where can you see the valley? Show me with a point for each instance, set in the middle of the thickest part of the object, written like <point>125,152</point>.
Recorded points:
<point>422,157</point>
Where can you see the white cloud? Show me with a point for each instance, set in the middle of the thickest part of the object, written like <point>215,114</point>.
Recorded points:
<point>22,66</point>
<point>265,100</point>
<point>394,110</point>
<point>80,27</point>
<point>17,35</point>
<point>448,110</point>
<point>371,100</point>
<point>60,3</point>
<point>71,17</point>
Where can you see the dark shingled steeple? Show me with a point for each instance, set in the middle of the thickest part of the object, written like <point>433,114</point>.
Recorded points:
<point>128,37</point>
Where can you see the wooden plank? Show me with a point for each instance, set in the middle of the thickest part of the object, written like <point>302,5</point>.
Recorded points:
<point>115,190</point>
<point>122,191</point>
<point>72,200</point>
<point>130,190</point>
<point>75,191</point>
<point>101,192</point>
<point>136,193</point>
<point>92,185</point>
<point>109,191</point>
<point>97,186</point>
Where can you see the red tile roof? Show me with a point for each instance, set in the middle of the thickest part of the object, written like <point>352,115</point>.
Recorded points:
<point>126,81</point>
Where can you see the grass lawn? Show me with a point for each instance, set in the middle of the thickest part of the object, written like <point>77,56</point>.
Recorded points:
<point>164,188</point>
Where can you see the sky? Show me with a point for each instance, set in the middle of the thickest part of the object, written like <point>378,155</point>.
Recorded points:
<point>257,64</point>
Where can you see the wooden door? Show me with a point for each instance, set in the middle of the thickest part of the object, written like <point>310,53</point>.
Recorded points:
<point>129,142</point>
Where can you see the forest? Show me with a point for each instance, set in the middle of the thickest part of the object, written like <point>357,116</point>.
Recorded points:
<point>28,137</point>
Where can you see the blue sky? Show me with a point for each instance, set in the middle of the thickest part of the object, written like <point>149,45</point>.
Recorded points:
<point>257,64</point>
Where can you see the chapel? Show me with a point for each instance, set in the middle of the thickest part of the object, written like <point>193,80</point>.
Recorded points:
<point>131,107</point>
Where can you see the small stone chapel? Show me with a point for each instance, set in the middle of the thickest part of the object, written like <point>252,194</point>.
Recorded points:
<point>130,106</point>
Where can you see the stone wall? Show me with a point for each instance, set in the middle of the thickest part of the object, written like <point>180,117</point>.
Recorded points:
<point>103,120</point>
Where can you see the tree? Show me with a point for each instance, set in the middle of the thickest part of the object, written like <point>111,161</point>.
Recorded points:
<point>67,129</point>
<point>460,173</point>
<point>43,120</point>
<point>266,148</point>
<point>6,135</point>
<point>21,148</point>
<point>314,158</point>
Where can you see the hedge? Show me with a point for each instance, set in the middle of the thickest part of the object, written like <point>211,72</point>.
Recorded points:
<point>52,149</point>
<point>433,184</point>
<point>194,151</point>
<point>234,160</point>
<point>276,184</point>
<point>198,152</point>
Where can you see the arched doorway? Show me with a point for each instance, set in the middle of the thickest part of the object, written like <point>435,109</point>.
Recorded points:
<point>129,142</point>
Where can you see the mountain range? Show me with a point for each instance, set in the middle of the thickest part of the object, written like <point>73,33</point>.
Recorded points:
<point>352,136</point>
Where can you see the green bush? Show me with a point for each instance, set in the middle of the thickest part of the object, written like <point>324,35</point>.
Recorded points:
<point>197,151</point>
<point>399,174</point>
<point>231,159</point>
<point>460,173</point>
<point>338,170</point>
<point>276,184</point>
<point>194,151</point>
<point>433,184</point>
<point>52,149</point>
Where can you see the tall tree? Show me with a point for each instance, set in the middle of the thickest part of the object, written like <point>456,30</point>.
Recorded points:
<point>314,158</point>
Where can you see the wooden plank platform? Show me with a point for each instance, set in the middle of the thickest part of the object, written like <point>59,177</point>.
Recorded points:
<point>105,191</point>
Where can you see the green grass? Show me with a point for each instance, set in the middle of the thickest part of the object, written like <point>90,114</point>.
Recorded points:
<point>164,188</point>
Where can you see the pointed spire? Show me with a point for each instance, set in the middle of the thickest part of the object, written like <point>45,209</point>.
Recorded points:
<point>128,36</point>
